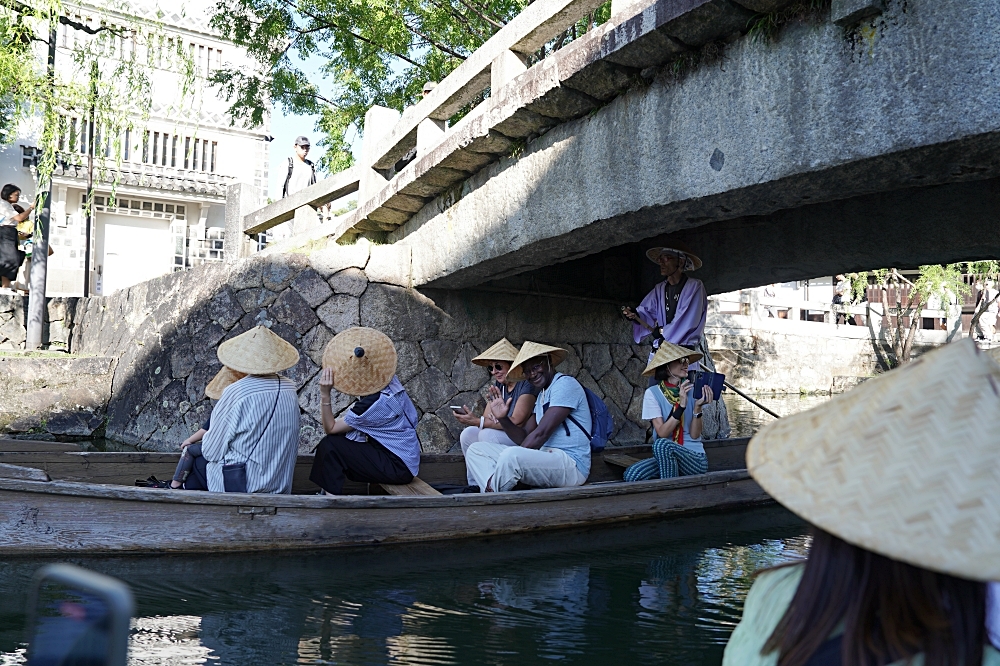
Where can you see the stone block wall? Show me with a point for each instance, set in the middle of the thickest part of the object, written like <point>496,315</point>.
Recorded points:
<point>164,334</point>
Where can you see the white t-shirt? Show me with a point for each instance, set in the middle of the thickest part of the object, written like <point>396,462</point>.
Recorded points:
<point>301,175</point>
<point>7,214</point>
<point>565,391</point>
<point>651,410</point>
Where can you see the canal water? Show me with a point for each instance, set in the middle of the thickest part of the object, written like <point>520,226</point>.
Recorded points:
<point>668,592</point>
<point>745,418</point>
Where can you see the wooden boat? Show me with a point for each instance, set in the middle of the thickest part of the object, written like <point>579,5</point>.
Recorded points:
<point>54,501</point>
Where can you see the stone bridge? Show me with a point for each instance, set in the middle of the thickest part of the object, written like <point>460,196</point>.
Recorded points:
<point>860,135</point>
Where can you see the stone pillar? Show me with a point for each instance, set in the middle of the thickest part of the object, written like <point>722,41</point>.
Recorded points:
<point>506,67</point>
<point>379,121</point>
<point>306,218</point>
<point>625,8</point>
<point>429,132</point>
<point>241,199</point>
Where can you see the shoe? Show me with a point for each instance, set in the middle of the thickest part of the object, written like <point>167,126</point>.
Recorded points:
<point>153,482</point>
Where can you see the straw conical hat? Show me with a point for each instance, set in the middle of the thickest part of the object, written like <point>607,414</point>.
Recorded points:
<point>995,353</point>
<point>693,263</point>
<point>258,352</point>
<point>530,350</point>
<point>222,379</point>
<point>363,360</point>
<point>905,465</point>
<point>501,351</point>
<point>667,353</point>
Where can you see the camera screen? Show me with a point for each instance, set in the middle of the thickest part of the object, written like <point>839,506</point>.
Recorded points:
<point>71,628</point>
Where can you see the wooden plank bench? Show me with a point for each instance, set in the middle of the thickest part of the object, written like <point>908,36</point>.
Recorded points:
<point>415,487</point>
<point>620,459</point>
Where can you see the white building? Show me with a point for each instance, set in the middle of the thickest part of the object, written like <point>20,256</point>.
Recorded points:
<point>167,212</point>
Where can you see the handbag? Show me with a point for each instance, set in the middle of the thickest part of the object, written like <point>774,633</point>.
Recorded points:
<point>234,475</point>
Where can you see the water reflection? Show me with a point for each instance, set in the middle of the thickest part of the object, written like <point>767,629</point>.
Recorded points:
<point>745,419</point>
<point>668,592</point>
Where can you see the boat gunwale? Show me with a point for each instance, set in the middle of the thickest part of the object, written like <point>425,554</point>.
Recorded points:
<point>540,495</point>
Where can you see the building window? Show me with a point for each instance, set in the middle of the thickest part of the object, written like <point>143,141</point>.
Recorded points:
<point>165,144</point>
<point>215,150</point>
<point>204,155</point>
<point>156,146</point>
<point>194,158</point>
<point>187,152</point>
<point>128,144</point>
<point>145,147</point>
<point>173,152</point>
<point>84,127</point>
<point>29,156</point>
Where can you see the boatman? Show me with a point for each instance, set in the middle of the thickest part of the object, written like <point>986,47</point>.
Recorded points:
<point>676,308</point>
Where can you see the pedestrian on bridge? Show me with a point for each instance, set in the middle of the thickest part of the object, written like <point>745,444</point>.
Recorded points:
<point>675,310</point>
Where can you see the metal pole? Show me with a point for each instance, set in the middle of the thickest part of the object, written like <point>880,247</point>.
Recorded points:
<point>90,178</point>
<point>40,244</point>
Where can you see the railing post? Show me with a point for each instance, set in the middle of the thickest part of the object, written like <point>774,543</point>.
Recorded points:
<point>505,68</point>
<point>241,199</point>
<point>429,132</point>
<point>379,121</point>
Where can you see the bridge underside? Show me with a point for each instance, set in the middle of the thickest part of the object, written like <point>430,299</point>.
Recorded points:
<point>905,228</point>
<point>810,156</point>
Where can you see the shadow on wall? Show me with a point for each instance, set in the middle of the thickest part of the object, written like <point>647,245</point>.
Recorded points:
<point>165,333</point>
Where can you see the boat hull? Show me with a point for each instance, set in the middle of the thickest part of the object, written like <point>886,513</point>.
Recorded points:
<point>60,517</point>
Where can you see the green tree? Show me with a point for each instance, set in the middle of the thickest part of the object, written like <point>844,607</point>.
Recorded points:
<point>983,272</point>
<point>375,53</point>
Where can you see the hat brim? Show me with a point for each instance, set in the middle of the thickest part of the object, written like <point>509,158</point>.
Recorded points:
<point>258,351</point>
<point>224,378</point>
<point>898,469</point>
<point>502,350</point>
<point>667,354</point>
<point>365,374</point>
<point>533,350</point>
<point>693,262</point>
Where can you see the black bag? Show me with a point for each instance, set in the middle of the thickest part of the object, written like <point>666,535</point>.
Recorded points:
<point>234,475</point>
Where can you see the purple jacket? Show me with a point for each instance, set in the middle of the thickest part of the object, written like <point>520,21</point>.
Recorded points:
<point>689,320</point>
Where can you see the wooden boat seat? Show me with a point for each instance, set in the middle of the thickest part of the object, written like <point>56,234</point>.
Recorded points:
<point>415,487</point>
<point>620,459</point>
<point>24,473</point>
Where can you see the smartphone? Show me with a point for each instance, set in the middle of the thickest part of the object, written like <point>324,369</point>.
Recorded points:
<point>78,617</point>
<point>455,408</point>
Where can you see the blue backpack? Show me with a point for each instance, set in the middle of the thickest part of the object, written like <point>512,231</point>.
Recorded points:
<point>600,418</point>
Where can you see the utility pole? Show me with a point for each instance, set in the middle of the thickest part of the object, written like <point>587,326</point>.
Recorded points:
<point>94,72</point>
<point>40,245</point>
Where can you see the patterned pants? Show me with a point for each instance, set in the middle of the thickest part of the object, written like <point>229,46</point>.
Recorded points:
<point>669,460</point>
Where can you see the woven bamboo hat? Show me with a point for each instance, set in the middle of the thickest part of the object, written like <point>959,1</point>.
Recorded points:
<point>222,379</point>
<point>691,263</point>
<point>667,353</point>
<point>363,360</point>
<point>994,352</point>
<point>501,351</point>
<point>258,352</point>
<point>530,350</point>
<point>905,465</point>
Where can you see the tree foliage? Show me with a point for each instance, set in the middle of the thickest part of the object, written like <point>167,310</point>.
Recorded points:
<point>378,52</point>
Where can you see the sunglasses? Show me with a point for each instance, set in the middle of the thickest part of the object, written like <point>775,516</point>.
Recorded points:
<point>495,368</point>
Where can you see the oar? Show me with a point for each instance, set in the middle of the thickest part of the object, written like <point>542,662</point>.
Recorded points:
<point>748,398</point>
<point>724,383</point>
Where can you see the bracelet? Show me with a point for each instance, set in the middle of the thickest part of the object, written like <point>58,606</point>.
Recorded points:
<point>698,415</point>
<point>482,421</point>
<point>325,403</point>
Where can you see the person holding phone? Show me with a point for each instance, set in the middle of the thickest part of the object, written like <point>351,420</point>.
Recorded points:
<point>11,256</point>
<point>676,415</point>
<point>518,395</point>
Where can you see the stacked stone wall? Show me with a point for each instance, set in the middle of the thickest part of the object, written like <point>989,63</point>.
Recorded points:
<point>164,334</point>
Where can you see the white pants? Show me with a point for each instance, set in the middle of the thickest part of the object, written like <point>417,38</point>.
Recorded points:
<point>472,434</point>
<point>506,465</point>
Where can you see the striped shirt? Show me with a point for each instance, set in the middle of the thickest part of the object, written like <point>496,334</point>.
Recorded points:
<point>242,416</point>
<point>392,422</point>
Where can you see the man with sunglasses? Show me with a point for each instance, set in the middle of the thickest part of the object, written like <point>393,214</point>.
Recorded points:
<point>553,446</point>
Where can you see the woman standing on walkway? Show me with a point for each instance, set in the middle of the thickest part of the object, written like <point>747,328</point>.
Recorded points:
<point>903,492</point>
<point>10,255</point>
<point>676,415</point>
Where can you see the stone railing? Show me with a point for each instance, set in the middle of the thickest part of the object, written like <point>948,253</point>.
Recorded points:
<point>523,101</point>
